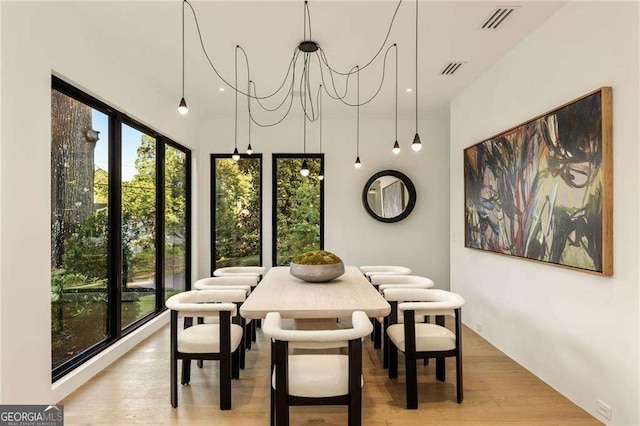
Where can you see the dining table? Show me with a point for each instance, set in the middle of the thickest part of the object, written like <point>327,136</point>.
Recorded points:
<point>281,292</point>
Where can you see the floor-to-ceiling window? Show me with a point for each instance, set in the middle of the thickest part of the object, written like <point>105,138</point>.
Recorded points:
<point>138,186</point>
<point>177,244</point>
<point>79,226</point>
<point>236,211</point>
<point>298,206</point>
<point>120,228</point>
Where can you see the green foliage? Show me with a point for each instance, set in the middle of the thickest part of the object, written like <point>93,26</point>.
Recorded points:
<point>85,250</point>
<point>237,212</point>
<point>317,257</point>
<point>62,281</point>
<point>298,208</point>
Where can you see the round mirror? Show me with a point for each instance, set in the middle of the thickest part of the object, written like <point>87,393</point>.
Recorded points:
<point>389,196</point>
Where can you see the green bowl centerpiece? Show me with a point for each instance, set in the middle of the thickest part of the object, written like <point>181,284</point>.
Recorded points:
<point>317,266</point>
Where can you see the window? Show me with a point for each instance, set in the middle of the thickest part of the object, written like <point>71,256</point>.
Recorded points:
<point>177,242</point>
<point>236,211</point>
<point>298,206</point>
<point>120,228</point>
<point>138,186</point>
<point>79,224</point>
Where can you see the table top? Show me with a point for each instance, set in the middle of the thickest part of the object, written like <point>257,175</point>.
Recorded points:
<point>293,298</point>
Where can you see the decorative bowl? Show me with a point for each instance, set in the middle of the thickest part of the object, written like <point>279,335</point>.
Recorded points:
<point>317,273</point>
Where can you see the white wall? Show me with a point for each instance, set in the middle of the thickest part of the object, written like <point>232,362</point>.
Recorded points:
<point>576,331</point>
<point>419,242</point>
<point>38,39</point>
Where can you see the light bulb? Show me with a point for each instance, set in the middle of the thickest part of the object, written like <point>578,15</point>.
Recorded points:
<point>183,108</point>
<point>320,177</point>
<point>249,150</point>
<point>358,164</point>
<point>304,171</point>
<point>396,148</point>
<point>416,145</point>
<point>236,155</point>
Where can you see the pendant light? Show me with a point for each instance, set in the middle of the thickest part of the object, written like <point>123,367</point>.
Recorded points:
<point>249,149</point>
<point>396,146</point>
<point>236,155</point>
<point>321,175</point>
<point>183,108</point>
<point>304,171</point>
<point>416,145</point>
<point>358,164</point>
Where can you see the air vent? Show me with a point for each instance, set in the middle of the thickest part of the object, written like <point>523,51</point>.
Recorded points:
<point>451,68</point>
<point>498,17</point>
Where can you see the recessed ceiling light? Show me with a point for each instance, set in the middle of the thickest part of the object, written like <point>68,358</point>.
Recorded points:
<point>221,89</point>
<point>409,90</point>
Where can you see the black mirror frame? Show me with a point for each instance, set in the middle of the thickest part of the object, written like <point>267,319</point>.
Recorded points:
<point>407,183</point>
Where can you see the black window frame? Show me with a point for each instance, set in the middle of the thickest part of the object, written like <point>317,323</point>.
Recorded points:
<point>212,206</point>
<point>274,199</point>
<point>114,234</point>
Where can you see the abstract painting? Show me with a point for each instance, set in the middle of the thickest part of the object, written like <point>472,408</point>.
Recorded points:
<point>543,189</point>
<point>393,199</point>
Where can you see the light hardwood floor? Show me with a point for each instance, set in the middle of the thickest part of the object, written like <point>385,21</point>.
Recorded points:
<point>497,391</point>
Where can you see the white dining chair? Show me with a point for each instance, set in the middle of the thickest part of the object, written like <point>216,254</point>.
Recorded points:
<point>316,379</point>
<point>254,271</point>
<point>245,283</point>
<point>370,271</point>
<point>384,282</point>
<point>420,340</point>
<point>219,342</point>
<point>402,280</point>
<point>240,270</point>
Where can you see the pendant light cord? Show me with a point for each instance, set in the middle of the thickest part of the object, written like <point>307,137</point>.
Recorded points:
<point>183,48</point>
<point>249,106</point>
<point>236,108</point>
<point>320,115</point>
<point>396,46</point>
<point>358,115</point>
<point>304,117</point>
<point>417,1</point>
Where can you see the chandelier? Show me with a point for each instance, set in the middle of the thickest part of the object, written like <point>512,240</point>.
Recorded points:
<point>307,52</point>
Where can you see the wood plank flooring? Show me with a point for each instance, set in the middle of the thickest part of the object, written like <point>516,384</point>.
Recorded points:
<point>497,391</point>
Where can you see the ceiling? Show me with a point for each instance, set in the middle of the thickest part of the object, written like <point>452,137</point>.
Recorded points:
<point>148,36</point>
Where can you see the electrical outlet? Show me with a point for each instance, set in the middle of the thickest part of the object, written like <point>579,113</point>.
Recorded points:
<point>604,409</point>
<point>479,327</point>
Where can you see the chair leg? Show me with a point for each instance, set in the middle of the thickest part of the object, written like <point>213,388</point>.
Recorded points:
<point>174,379</point>
<point>273,392</point>
<point>259,323</point>
<point>355,387</point>
<point>411,374</point>
<point>225,382</point>
<point>459,394</point>
<point>186,371</point>
<point>247,335</point>
<point>272,420</point>
<point>282,388</point>
<point>440,369</point>
<point>253,330</point>
<point>385,343</point>
<point>243,350</point>
<point>235,364</point>
<point>200,363</point>
<point>393,360</point>
<point>377,334</point>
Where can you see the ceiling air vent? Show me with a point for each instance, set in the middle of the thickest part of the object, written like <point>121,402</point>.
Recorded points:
<point>451,68</point>
<point>498,17</point>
